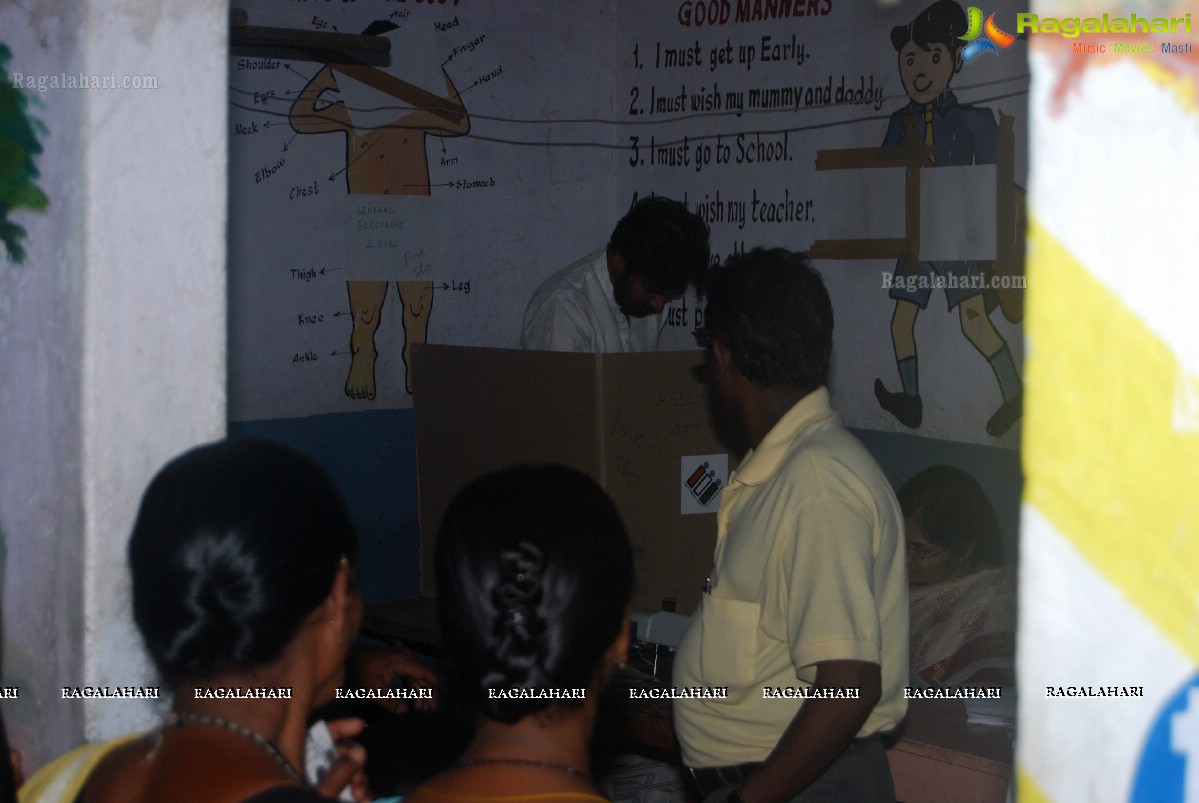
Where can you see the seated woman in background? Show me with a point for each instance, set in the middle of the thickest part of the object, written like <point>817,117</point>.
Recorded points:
<point>963,600</point>
<point>534,577</point>
<point>242,567</point>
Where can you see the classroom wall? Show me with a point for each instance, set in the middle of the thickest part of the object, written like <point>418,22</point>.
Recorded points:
<point>112,335</point>
<point>573,111</point>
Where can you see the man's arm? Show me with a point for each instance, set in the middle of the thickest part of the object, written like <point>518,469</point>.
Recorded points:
<point>819,733</point>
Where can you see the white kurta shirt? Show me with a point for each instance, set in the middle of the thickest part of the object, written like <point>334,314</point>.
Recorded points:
<point>574,310</point>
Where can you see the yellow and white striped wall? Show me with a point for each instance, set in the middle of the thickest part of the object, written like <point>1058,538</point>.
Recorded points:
<point>1110,523</point>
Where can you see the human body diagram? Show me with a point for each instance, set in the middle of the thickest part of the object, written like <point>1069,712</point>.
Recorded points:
<point>387,158</point>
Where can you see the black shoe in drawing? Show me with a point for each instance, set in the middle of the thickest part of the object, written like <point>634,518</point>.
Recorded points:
<point>908,410</point>
<point>1008,414</point>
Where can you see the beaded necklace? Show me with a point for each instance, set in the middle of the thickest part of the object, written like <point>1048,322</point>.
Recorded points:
<point>178,720</point>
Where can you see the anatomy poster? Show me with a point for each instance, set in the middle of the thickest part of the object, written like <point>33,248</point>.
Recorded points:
<point>421,195</point>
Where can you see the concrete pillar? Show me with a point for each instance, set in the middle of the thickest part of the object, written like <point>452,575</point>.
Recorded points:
<point>112,336</point>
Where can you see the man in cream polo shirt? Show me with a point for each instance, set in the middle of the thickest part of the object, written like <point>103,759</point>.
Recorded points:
<point>805,618</point>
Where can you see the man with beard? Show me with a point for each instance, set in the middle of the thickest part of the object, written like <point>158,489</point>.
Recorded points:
<point>804,619</point>
<point>612,300</point>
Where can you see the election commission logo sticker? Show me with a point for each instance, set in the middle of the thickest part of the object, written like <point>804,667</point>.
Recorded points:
<point>1169,768</point>
<point>702,478</point>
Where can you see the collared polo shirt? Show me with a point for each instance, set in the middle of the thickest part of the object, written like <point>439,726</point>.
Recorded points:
<point>809,567</point>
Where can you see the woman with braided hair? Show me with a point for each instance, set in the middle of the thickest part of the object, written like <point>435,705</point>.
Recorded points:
<point>534,578</point>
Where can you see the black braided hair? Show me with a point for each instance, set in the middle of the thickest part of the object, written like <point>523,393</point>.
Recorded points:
<point>534,572</point>
<point>518,652</point>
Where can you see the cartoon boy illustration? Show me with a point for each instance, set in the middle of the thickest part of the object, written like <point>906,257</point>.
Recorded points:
<point>929,56</point>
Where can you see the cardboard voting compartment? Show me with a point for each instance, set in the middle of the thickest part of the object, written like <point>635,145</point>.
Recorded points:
<point>637,423</point>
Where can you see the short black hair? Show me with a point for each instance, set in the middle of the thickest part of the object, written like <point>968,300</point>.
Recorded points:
<point>664,243</point>
<point>770,309</point>
<point>953,511</point>
<point>534,572</point>
<point>941,23</point>
<point>234,544</point>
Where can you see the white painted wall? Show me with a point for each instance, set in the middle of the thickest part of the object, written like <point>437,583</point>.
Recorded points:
<point>112,339</point>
